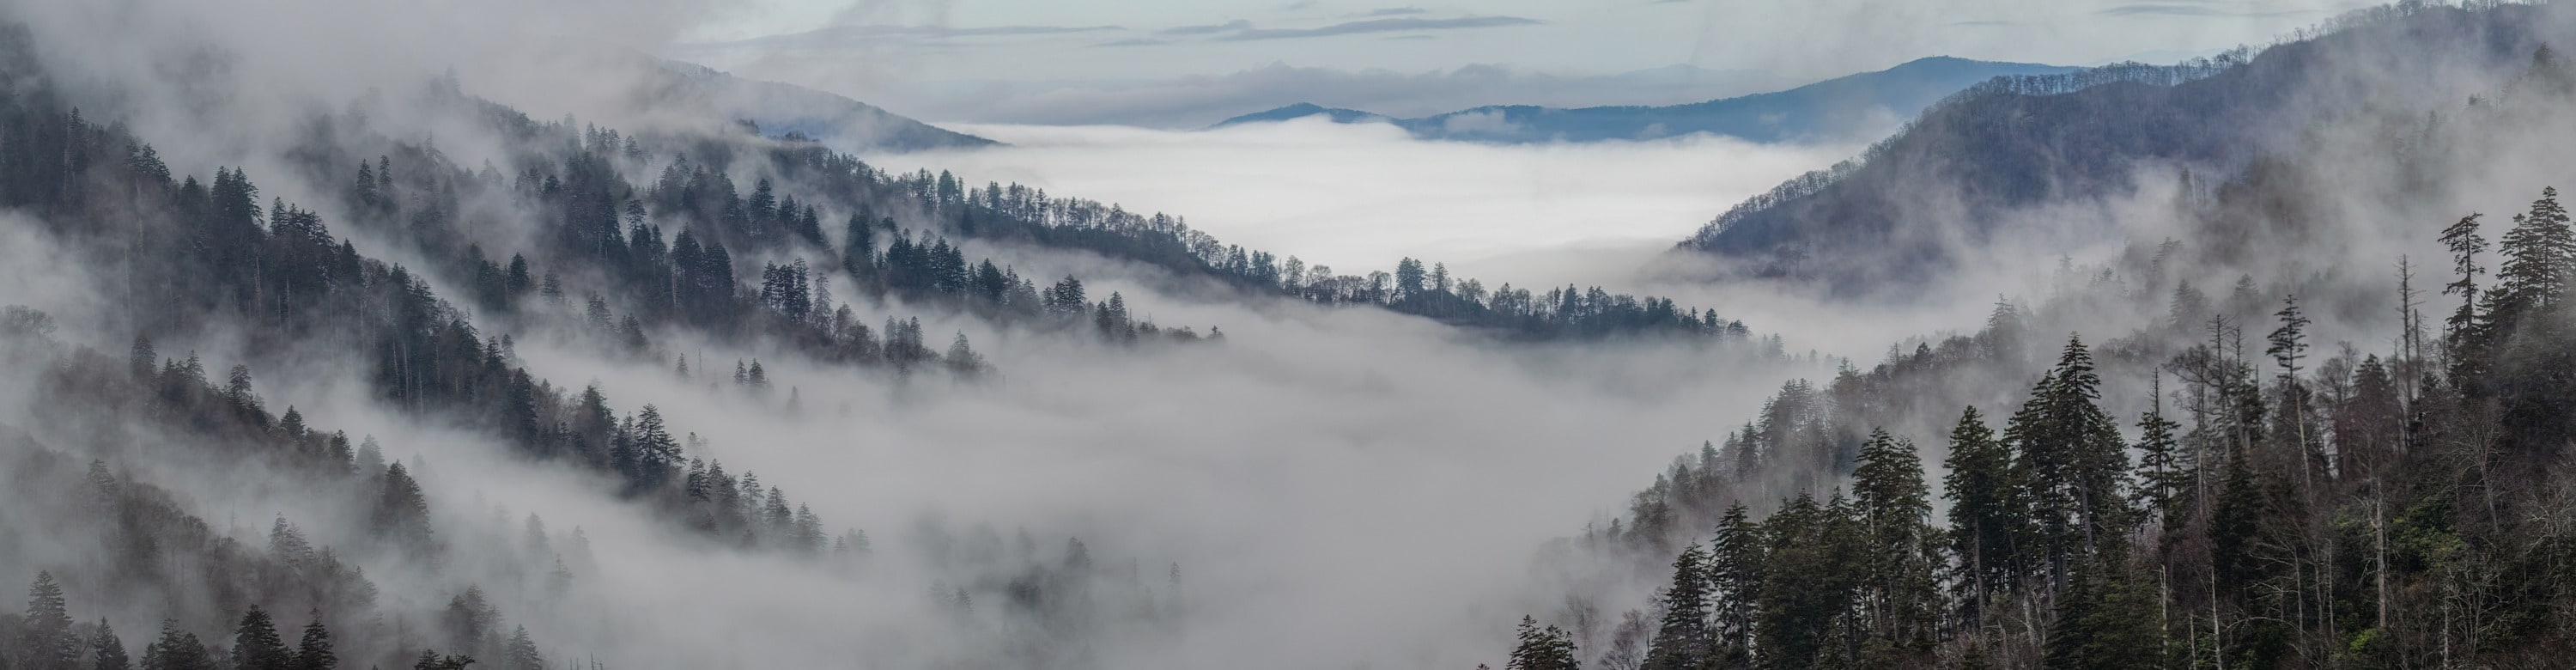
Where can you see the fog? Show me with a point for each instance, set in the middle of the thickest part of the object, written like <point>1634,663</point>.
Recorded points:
<point>1338,487</point>
<point>1362,196</point>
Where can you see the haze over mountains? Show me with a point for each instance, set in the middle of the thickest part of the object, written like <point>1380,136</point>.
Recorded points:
<point>782,108</point>
<point>2238,136</point>
<point>1835,109</point>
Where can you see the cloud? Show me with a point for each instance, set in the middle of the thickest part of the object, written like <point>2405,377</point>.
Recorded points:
<point>1362,196</point>
<point>1397,11</point>
<point>1380,26</point>
<point>2192,10</point>
<point>1135,42</point>
<point>857,35</point>
<point>1208,29</point>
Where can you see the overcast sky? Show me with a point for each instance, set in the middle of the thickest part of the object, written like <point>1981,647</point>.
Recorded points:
<point>854,45</point>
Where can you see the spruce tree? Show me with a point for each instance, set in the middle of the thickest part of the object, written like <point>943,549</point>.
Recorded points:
<point>46,641</point>
<point>520,653</point>
<point>2072,456</point>
<point>1682,642</point>
<point>1900,554</point>
<point>2165,466</point>
<point>314,651</point>
<point>256,645</point>
<point>106,651</point>
<point>1736,569</point>
<point>176,650</point>
<point>2104,620</point>
<point>1542,649</point>
<point>1985,512</point>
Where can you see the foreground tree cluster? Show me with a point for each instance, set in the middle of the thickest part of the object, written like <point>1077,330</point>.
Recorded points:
<point>2265,508</point>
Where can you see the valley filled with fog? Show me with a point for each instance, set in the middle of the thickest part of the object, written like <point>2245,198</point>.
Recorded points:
<point>428,337</point>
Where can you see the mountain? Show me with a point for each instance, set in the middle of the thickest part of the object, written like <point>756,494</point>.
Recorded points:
<point>780,109</point>
<point>1835,108</point>
<point>2015,145</point>
<point>1306,109</point>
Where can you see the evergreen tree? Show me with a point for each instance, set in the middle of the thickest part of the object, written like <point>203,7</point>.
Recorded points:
<point>1736,572</point>
<point>2540,253</point>
<point>1986,513</point>
<point>1542,649</point>
<point>2166,467</point>
<point>2072,456</point>
<point>2104,621</point>
<point>1682,642</point>
<point>314,651</point>
<point>402,512</point>
<point>177,650</point>
<point>106,651</point>
<point>46,641</point>
<point>256,645</point>
<point>1902,548</point>
<point>521,652</point>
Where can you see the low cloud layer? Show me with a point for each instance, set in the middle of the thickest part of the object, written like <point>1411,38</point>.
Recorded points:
<point>1360,197</point>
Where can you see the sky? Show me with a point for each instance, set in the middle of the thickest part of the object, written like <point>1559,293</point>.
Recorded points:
<point>903,50</point>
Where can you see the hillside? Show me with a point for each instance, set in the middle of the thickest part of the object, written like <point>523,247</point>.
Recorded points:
<point>1958,177</point>
<point>781,109</point>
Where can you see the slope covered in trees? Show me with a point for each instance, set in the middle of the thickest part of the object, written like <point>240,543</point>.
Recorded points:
<point>429,277</point>
<point>1986,167</point>
<point>2265,504</point>
<point>2192,479</point>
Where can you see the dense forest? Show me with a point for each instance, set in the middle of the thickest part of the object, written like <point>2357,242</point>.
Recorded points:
<point>2268,508</point>
<point>2213,488</point>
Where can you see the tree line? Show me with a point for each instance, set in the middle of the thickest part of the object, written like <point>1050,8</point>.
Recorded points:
<point>2267,507</point>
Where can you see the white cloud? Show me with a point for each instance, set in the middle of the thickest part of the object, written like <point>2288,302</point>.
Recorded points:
<point>1359,197</point>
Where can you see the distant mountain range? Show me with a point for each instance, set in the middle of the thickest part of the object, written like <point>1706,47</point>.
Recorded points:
<point>781,109</point>
<point>1841,108</point>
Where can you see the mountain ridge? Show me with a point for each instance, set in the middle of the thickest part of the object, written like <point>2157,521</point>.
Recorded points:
<point>1842,106</point>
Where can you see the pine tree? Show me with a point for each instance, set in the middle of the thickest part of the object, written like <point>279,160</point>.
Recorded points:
<point>176,650</point>
<point>962,359</point>
<point>2167,469</point>
<point>2540,253</point>
<point>46,641</point>
<point>1735,575</point>
<point>2075,462</point>
<point>1542,649</point>
<point>1682,642</point>
<point>468,620</point>
<point>1986,514</point>
<point>2104,621</point>
<point>1901,554</point>
<point>106,651</point>
<point>2460,331</point>
<point>402,513</point>
<point>314,651</point>
<point>256,645</point>
<point>521,653</point>
<point>140,359</point>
